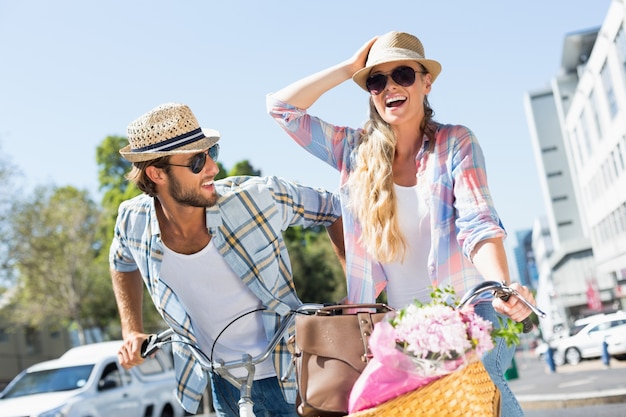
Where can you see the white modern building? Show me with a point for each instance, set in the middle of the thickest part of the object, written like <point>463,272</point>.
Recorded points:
<point>578,129</point>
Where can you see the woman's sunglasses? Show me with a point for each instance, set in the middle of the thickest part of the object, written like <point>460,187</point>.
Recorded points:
<point>403,76</point>
<point>199,160</point>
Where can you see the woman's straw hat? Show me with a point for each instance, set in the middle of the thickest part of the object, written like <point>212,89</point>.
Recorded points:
<point>395,46</point>
<point>168,129</point>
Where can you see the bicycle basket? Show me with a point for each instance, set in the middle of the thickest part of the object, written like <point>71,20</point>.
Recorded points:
<point>468,392</point>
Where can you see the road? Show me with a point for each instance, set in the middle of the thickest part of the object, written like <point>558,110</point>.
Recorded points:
<point>586,389</point>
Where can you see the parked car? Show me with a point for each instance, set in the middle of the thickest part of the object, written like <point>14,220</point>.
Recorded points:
<point>587,339</point>
<point>87,381</point>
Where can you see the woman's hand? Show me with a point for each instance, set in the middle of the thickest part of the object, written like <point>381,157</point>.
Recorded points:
<point>514,307</point>
<point>358,60</point>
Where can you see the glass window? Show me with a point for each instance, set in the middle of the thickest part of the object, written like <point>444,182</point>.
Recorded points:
<point>593,105</point>
<point>607,83</point>
<point>50,380</point>
<point>620,46</point>
<point>150,366</point>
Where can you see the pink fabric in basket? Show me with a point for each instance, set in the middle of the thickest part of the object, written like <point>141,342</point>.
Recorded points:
<point>389,374</point>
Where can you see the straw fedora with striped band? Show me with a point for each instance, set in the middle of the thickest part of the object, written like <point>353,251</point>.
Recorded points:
<point>168,129</point>
<point>395,46</point>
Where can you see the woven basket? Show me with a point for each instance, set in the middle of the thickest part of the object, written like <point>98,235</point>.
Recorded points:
<point>465,393</point>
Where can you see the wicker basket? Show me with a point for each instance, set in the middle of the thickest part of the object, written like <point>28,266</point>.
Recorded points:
<point>468,392</point>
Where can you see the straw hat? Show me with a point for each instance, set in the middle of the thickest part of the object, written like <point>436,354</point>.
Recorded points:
<point>396,46</point>
<point>168,129</point>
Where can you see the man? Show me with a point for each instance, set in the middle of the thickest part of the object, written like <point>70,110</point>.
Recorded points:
<point>209,252</point>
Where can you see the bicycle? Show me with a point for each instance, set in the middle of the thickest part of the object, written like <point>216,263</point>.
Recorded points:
<point>244,384</point>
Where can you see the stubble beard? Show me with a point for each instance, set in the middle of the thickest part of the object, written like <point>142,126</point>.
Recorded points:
<point>189,197</point>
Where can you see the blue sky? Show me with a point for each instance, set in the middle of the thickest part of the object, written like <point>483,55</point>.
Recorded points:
<point>74,72</point>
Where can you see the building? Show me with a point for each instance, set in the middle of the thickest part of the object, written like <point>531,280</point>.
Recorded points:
<point>525,259</point>
<point>578,130</point>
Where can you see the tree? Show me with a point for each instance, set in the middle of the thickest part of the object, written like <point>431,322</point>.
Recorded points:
<point>318,275</point>
<point>9,175</point>
<point>244,168</point>
<point>54,246</point>
<point>112,169</point>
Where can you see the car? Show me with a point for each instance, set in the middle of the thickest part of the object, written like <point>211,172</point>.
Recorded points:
<point>586,340</point>
<point>88,381</point>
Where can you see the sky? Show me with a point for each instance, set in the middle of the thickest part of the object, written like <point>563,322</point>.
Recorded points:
<point>73,72</point>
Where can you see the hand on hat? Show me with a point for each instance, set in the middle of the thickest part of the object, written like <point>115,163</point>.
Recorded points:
<point>357,61</point>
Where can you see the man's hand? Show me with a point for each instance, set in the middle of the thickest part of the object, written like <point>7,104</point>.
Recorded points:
<point>129,354</point>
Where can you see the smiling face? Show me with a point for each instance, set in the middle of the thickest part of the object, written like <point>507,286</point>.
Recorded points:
<point>183,186</point>
<point>398,105</point>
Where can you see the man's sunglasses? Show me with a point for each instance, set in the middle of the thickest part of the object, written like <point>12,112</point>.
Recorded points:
<point>403,76</point>
<point>199,160</point>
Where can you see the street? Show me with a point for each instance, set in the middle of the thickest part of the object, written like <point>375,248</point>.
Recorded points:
<point>586,389</point>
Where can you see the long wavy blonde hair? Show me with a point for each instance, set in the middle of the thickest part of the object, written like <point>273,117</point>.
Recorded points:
<point>372,196</point>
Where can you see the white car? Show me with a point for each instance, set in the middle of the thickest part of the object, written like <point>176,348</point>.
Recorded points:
<point>587,341</point>
<point>87,381</point>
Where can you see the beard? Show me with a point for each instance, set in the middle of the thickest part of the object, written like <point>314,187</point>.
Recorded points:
<point>189,197</point>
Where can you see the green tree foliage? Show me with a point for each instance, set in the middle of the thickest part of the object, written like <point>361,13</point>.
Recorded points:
<point>112,170</point>
<point>318,275</point>
<point>244,168</point>
<point>10,176</point>
<point>54,246</point>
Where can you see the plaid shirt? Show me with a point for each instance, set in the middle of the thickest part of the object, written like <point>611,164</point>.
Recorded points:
<point>454,183</point>
<point>246,226</point>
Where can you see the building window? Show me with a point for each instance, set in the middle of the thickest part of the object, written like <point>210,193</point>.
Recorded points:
<point>33,341</point>
<point>4,337</point>
<point>618,162</point>
<point>584,131</point>
<point>555,174</point>
<point>593,105</point>
<point>549,149</point>
<point>620,46</point>
<point>565,223</point>
<point>607,83</point>
<point>559,198</point>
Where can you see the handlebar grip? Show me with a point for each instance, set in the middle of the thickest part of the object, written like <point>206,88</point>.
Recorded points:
<point>527,323</point>
<point>149,346</point>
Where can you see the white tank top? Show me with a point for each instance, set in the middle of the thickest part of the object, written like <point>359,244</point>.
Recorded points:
<point>213,296</point>
<point>408,280</point>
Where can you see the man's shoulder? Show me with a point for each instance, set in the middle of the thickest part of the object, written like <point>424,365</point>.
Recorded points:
<point>247,182</point>
<point>142,202</point>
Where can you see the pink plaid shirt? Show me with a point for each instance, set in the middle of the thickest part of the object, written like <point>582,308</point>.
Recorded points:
<point>461,209</point>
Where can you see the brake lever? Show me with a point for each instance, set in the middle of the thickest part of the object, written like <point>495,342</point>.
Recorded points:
<point>150,345</point>
<point>504,292</point>
<point>504,296</point>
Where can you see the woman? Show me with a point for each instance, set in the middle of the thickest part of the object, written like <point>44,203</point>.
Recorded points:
<point>417,210</point>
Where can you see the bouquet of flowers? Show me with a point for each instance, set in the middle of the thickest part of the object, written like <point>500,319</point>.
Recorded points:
<point>422,343</point>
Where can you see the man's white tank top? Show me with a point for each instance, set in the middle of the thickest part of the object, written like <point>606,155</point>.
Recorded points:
<point>213,296</point>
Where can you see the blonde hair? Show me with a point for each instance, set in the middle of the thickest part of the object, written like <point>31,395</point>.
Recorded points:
<point>370,184</point>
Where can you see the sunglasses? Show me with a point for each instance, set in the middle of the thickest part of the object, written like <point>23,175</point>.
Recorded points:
<point>403,76</point>
<point>199,160</point>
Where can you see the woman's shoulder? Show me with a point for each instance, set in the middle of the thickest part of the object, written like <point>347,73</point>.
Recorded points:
<point>455,130</point>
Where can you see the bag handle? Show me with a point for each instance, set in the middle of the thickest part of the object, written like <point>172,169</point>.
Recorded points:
<point>339,308</point>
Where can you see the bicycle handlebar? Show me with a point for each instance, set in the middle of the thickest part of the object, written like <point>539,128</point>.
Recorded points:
<point>154,342</point>
<point>504,292</point>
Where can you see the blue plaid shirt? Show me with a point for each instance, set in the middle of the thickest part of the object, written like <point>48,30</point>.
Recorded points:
<point>246,226</point>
